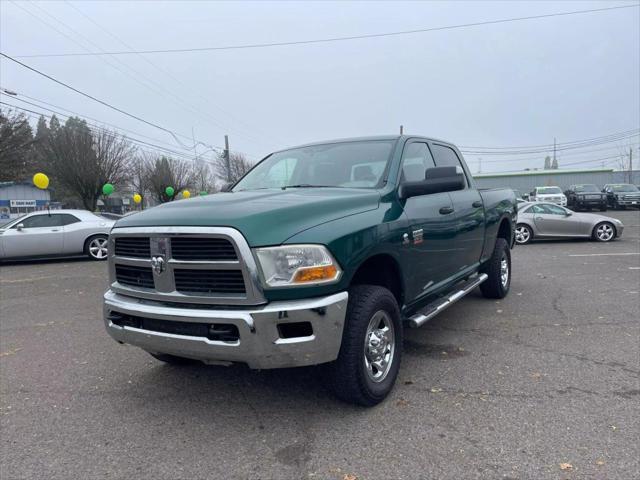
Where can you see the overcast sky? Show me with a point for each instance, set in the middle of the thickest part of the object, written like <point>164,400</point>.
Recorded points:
<point>511,84</point>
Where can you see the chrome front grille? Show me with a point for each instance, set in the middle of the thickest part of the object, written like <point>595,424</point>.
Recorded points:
<point>204,265</point>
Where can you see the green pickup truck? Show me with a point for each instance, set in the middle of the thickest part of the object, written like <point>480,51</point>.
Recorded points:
<point>321,254</point>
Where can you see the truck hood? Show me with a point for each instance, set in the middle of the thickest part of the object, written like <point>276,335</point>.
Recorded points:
<point>264,217</point>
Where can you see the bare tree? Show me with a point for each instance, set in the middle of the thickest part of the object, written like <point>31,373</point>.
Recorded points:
<point>166,172</point>
<point>205,180</point>
<point>139,181</point>
<point>82,161</point>
<point>238,163</point>
<point>17,158</point>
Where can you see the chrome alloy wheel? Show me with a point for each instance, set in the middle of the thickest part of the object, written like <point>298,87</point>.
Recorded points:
<point>504,272</point>
<point>98,248</point>
<point>379,346</point>
<point>522,234</point>
<point>605,232</point>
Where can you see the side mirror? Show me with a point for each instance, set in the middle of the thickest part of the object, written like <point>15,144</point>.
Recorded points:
<point>20,226</point>
<point>437,180</point>
<point>226,187</point>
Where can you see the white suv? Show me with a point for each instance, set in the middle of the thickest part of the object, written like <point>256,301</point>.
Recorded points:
<point>548,194</point>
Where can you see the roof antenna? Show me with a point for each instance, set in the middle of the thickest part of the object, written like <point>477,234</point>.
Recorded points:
<point>401,129</point>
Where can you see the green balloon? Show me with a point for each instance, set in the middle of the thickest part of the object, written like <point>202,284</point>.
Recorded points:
<point>169,191</point>
<point>203,193</point>
<point>107,189</point>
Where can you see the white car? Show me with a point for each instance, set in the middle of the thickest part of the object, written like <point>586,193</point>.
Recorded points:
<point>55,233</point>
<point>548,194</point>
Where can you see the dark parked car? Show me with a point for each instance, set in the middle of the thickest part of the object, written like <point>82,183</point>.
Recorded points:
<point>622,195</point>
<point>586,197</point>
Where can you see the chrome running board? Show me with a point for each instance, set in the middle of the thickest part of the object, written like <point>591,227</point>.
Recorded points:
<point>443,303</point>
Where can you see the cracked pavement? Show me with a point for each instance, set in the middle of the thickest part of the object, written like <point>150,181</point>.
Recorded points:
<point>489,389</point>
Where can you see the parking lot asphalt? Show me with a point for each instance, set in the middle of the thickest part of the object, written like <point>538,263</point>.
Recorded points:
<point>541,385</point>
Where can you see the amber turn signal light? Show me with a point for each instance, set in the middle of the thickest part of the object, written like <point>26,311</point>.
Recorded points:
<point>315,274</point>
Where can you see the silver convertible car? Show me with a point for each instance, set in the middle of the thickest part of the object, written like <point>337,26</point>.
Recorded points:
<point>548,220</point>
<point>55,233</point>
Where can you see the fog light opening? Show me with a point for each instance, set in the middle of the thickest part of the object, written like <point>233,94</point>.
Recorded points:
<point>295,330</point>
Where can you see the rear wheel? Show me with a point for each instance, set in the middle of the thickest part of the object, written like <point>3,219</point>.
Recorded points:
<point>604,232</point>
<point>172,359</point>
<point>498,269</point>
<point>96,247</point>
<point>369,359</point>
<point>523,234</point>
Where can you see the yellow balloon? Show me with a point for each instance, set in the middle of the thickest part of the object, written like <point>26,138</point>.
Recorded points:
<point>40,180</point>
<point>137,198</point>
<point>186,194</point>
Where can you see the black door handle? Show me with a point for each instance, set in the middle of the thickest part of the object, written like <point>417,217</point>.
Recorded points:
<point>477,204</point>
<point>446,210</point>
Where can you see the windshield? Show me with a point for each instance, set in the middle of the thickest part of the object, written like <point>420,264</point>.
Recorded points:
<point>548,190</point>
<point>5,222</point>
<point>350,164</point>
<point>586,188</point>
<point>624,188</point>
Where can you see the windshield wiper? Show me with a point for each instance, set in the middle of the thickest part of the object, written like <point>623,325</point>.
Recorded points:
<point>308,185</point>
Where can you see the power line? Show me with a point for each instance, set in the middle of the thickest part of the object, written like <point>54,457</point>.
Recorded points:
<point>550,145</point>
<point>97,128</point>
<point>590,143</point>
<point>164,72</point>
<point>18,98</point>
<point>564,155</point>
<point>146,82</point>
<point>334,39</point>
<point>135,117</point>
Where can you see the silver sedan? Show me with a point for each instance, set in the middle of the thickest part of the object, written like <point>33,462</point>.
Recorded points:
<point>547,220</point>
<point>55,233</point>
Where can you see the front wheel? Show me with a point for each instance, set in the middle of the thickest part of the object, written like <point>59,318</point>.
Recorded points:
<point>96,247</point>
<point>369,359</point>
<point>604,232</point>
<point>498,270</point>
<point>523,234</point>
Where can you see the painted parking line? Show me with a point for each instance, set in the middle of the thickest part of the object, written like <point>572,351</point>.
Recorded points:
<point>603,254</point>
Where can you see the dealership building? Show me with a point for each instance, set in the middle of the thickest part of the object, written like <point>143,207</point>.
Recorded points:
<point>526,181</point>
<point>18,198</point>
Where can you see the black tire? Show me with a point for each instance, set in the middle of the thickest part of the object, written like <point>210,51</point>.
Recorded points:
<point>172,359</point>
<point>525,235</point>
<point>96,241</point>
<point>603,208</point>
<point>349,376</point>
<point>604,232</point>
<point>495,286</point>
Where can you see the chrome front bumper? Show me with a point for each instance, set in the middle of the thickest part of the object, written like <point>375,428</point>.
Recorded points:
<point>259,345</point>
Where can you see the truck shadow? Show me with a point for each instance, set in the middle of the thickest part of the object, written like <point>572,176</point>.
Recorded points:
<point>284,390</point>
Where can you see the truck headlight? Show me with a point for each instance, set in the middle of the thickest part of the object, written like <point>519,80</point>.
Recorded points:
<point>293,265</point>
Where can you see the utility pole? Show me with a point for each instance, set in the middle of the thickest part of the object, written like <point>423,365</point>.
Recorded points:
<point>630,165</point>
<point>554,149</point>
<point>227,160</point>
<point>401,129</point>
